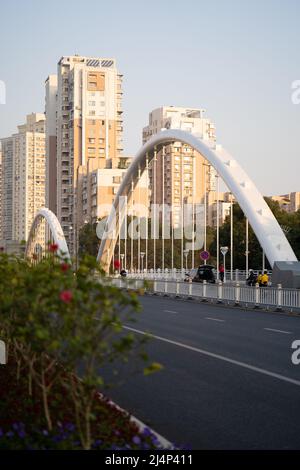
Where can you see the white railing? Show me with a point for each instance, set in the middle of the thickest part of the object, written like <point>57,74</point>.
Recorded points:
<point>235,294</point>
<point>173,274</point>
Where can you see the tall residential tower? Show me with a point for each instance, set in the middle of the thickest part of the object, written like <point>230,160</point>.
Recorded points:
<point>88,122</point>
<point>23,177</point>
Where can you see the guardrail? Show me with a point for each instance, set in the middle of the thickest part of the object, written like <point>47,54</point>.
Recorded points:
<point>174,274</point>
<point>276,297</point>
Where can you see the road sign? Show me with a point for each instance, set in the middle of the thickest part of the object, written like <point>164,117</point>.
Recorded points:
<point>204,255</point>
<point>224,250</point>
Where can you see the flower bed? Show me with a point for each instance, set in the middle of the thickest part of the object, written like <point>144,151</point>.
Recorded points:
<point>23,426</point>
<point>58,325</point>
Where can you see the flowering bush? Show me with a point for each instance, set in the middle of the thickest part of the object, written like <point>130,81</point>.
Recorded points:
<point>61,328</point>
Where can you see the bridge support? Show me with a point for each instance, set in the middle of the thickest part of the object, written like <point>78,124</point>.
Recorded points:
<point>286,273</point>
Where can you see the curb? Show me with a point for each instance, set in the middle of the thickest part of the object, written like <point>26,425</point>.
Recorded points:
<point>162,440</point>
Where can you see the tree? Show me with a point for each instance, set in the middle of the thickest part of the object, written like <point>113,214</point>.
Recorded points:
<point>288,221</point>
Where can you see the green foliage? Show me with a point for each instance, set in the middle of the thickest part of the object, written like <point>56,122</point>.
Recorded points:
<point>290,223</point>
<point>63,325</point>
<point>88,242</point>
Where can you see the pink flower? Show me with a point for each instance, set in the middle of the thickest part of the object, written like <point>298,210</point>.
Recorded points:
<point>53,247</point>
<point>66,296</point>
<point>65,267</point>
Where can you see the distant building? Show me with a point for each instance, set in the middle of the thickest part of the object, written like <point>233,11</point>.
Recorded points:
<point>99,189</point>
<point>295,201</point>
<point>83,106</point>
<point>182,175</point>
<point>288,202</point>
<point>23,178</point>
<point>224,200</point>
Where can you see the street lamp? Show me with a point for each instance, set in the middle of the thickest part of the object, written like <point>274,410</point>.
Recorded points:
<point>142,254</point>
<point>186,254</point>
<point>122,260</point>
<point>224,250</point>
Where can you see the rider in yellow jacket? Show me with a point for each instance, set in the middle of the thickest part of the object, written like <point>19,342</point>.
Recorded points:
<point>264,279</point>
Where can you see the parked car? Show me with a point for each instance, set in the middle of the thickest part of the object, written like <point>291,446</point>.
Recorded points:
<point>205,272</point>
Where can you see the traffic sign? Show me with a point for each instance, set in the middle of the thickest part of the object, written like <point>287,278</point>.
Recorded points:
<point>204,255</point>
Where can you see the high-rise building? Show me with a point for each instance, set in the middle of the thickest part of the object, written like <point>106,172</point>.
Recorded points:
<point>7,145</point>
<point>88,127</point>
<point>295,201</point>
<point>23,177</point>
<point>182,175</point>
<point>51,162</point>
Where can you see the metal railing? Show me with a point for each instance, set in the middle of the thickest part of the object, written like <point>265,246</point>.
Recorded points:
<point>180,274</point>
<point>236,294</point>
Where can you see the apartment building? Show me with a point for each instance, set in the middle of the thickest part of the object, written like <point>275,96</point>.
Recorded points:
<point>51,142</point>
<point>182,175</point>
<point>99,189</point>
<point>7,145</point>
<point>88,121</point>
<point>289,202</point>
<point>23,177</point>
<point>294,201</point>
<point>218,204</point>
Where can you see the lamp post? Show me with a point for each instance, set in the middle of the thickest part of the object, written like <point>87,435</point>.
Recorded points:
<point>186,254</point>
<point>224,250</point>
<point>142,254</point>
<point>122,260</point>
<point>247,247</point>
<point>74,234</point>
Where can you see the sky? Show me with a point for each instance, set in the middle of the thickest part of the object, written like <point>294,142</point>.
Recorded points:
<point>235,58</point>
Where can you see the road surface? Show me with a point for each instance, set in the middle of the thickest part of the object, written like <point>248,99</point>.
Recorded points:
<point>228,380</point>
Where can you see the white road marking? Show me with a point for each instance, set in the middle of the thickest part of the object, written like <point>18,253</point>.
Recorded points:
<point>218,356</point>
<point>170,311</point>
<point>278,331</point>
<point>214,319</point>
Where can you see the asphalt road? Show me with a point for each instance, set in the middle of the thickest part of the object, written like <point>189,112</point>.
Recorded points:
<point>228,380</point>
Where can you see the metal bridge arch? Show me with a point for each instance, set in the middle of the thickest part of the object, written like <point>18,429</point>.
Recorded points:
<point>268,231</point>
<point>57,234</point>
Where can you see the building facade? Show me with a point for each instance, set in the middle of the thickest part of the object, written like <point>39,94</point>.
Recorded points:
<point>182,175</point>
<point>23,177</point>
<point>89,127</point>
<point>288,202</point>
<point>51,142</point>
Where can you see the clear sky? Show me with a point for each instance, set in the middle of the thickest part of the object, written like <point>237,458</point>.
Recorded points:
<point>235,58</point>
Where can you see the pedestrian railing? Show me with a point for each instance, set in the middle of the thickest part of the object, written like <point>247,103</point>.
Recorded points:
<point>180,274</point>
<point>223,293</point>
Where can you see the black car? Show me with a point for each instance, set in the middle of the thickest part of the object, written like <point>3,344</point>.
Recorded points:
<point>205,272</point>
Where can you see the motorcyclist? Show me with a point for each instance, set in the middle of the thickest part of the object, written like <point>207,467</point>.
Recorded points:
<point>264,279</point>
<point>251,279</point>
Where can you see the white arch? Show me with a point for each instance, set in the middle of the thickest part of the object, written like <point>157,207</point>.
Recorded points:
<point>56,231</point>
<point>261,218</point>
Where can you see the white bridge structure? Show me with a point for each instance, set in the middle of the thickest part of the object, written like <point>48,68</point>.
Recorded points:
<point>267,230</point>
<point>269,233</point>
<point>45,229</point>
